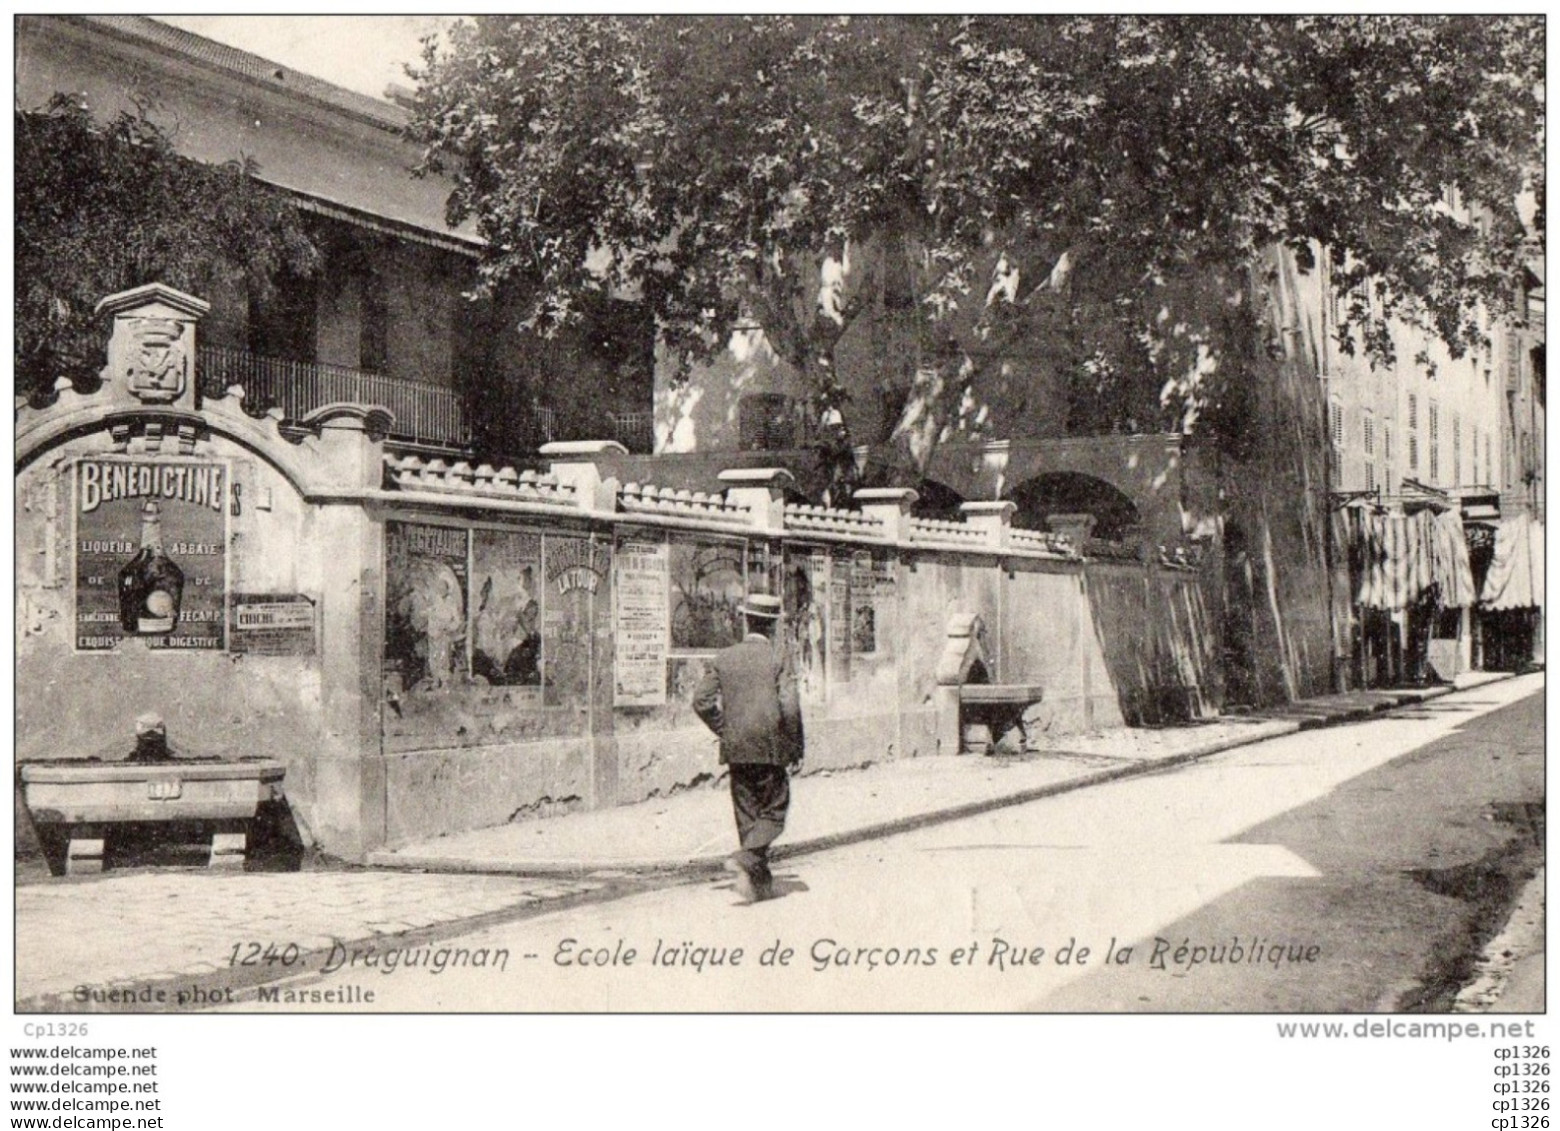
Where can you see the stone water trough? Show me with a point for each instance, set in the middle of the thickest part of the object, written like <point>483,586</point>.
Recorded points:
<point>76,803</point>
<point>976,716</point>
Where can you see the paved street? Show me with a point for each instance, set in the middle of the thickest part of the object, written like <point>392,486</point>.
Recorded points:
<point>150,927</point>
<point>1399,863</point>
<point>1354,868</point>
<point>176,928</point>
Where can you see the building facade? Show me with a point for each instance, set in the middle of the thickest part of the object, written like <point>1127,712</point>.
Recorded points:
<point>1465,427</point>
<point>387,319</point>
<point>383,320</point>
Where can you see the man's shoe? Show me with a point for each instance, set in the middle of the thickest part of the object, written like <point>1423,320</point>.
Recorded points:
<point>743,882</point>
<point>764,881</point>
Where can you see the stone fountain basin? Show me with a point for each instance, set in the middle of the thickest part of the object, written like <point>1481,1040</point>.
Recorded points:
<point>92,793</point>
<point>77,804</point>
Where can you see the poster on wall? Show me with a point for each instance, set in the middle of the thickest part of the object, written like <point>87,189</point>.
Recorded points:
<point>273,624</point>
<point>708,584</point>
<point>840,632</point>
<point>506,615</point>
<point>425,605</point>
<point>151,553</point>
<point>805,589</point>
<point>575,569</point>
<point>683,676</point>
<point>641,618</point>
<point>766,568</point>
<point>863,605</point>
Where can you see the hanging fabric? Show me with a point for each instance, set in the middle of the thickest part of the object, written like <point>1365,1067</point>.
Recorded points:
<point>1516,576</point>
<point>1401,556</point>
<point>1453,571</point>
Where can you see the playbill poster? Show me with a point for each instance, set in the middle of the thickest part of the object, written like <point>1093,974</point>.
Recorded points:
<point>1141,418</point>
<point>641,624</point>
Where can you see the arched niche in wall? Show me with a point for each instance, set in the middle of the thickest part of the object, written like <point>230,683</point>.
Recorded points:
<point>937,500</point>
<point>1072,492</point>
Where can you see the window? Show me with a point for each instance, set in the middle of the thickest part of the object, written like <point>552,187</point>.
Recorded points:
<point>1434,414</point>
<point>1368,432</point>
<point>1389,481</point>
<point>1489,462</point>
<point>1413,434</point>
<point>286,324</point>
<point>1370,475</point>
<point>766,422</point>
<point>546,421</point>
<point>1473,466</point>
<point>634,430</point>
<point>1336,409</point>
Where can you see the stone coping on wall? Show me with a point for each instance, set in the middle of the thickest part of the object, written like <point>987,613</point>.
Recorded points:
<point>411,473</point>
<point>805,519</point>
<point>572,484</point>
<point>636,498</point>
<point>753,504</point>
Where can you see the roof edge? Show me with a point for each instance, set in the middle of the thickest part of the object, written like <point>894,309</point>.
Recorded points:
<point>363,108</point>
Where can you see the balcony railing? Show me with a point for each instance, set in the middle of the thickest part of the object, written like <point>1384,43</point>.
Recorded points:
<point>634,430</point>
<point>424,414</point>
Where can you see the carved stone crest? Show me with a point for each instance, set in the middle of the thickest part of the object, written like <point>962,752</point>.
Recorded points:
<point>156,364</point>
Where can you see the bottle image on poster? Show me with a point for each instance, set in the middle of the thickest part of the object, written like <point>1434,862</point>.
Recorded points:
<point>151,586</point>
<point>150,549</point>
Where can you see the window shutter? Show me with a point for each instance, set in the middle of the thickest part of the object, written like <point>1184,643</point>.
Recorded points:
<point>1435,443</point>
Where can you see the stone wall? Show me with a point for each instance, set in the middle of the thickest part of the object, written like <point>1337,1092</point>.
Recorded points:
<point>461,752</point>
<point>866,625</point>
<point>450,646</point>
<point>75,702</point>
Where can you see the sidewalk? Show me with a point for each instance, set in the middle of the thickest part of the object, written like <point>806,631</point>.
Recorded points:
<point>692,831</point>
<point>1510,972</point>
<point>176,929</point>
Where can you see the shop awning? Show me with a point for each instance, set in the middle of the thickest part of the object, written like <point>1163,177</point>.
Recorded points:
<point>1397,557</point>
<point>1516,577</point>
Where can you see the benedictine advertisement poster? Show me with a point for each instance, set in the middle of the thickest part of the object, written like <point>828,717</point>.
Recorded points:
<point>151,554</point>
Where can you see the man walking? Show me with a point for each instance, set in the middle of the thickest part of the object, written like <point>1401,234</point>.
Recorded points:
<point>748,698</point>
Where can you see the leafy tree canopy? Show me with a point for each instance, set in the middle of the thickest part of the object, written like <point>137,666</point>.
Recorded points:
<point>101,209</point>
<point>1106,185</point>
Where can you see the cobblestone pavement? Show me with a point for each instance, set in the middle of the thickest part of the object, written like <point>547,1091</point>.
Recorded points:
<point>148,926</point>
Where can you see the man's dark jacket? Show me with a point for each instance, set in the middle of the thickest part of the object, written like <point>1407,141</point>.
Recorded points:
<point>748,697</point>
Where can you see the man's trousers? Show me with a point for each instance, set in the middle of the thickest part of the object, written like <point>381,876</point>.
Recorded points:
<point>760,796</point>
